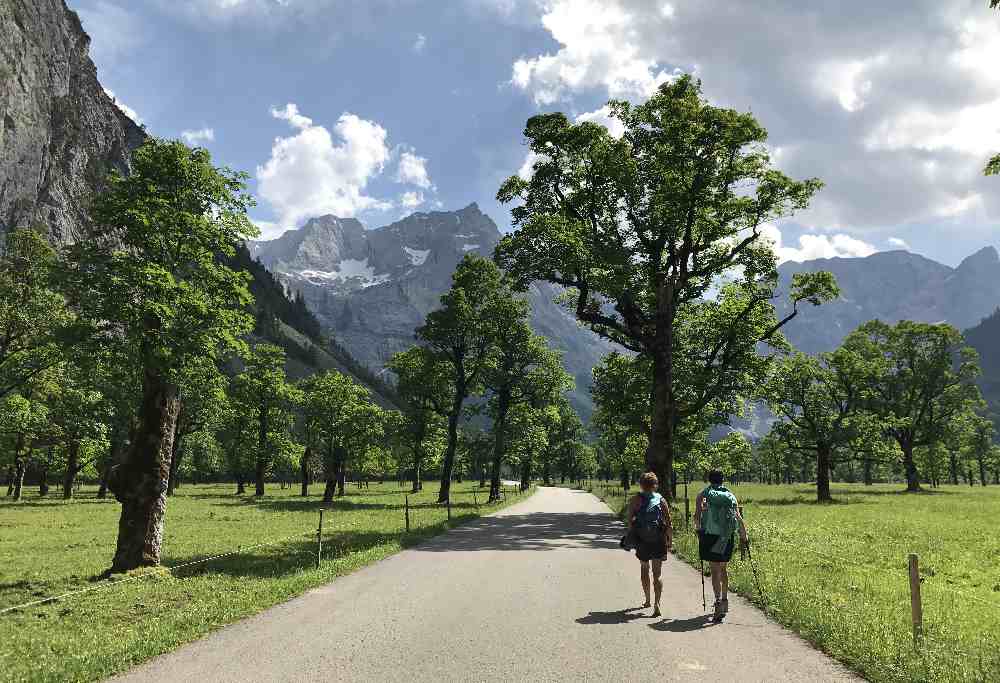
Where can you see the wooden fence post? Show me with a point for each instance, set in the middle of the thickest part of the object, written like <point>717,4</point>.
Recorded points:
<point>319,540</point>
<point>407,513</point>
<point>449,508</point>
<point>916,607</point>
<point>475,500</point>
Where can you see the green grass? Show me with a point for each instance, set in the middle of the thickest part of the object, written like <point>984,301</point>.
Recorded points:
<point>837,573</point>
<point>50,546</point>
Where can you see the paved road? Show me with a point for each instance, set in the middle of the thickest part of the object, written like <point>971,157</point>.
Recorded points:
<point>538,592</point>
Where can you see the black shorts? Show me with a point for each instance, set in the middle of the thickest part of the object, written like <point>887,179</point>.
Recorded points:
<point>705,543</point>
<point>651,545</point>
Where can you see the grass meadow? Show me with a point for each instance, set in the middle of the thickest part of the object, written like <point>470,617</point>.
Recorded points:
<point>837,573</point>
<point>50,546</point>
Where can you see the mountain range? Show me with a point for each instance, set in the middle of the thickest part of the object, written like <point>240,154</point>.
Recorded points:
<point>893,286</point>
<point>373,287</point>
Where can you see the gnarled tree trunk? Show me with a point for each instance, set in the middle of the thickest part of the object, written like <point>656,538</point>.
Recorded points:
<point>448,464</point>
<point>304,467</point>
<point>139,482</point>
<point>823,473</point>
<point>499,437</point>
<point>72,468</point>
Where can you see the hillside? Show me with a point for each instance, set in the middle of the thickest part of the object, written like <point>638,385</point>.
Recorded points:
<point>372,288</point>
<point>893,286</point>
<point>61,133</point>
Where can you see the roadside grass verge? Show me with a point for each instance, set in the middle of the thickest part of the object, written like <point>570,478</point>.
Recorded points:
<point>837,573</point>
<point>49,546</point>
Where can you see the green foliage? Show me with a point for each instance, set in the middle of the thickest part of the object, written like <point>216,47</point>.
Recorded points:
<point>643,229</point>
<point>153,274</point>
<point>34,318</point>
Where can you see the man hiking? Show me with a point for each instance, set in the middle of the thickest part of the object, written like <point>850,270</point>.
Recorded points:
<point>649,523</point>
<point>716,519</point>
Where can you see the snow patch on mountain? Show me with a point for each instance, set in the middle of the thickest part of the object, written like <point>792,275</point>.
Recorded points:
<point>348,269</point>
<point>469,247</point>
<point>417,256</point>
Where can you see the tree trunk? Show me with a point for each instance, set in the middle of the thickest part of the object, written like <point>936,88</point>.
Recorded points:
<point>140,481</point>
<point>912,476</point>
<point>304,465</point>
<point>341,472</point>
<point>43,477</point>
<point>72,467</point>
<point>10,479</point>
<point>448,464</point>
<point>175,461</point>
<point>823,474</point>
<point>982,471</point>
<point>329,489</point>
<point>240,485</point>
<point>261,450</point>
<point>953,467</point>
<point>19,467</point>
<point>499,433</point>
<point>547,473</point>
<point>972,482</point>
<point>660,453</point>
<point>482,475</point>
<point>526,475</point>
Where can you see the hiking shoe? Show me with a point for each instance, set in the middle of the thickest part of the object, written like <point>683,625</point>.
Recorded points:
<point>718,615</point>
<point>656,611</point>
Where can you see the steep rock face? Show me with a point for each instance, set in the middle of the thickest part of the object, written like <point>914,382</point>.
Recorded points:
<point>374,287</point>
<point>893,286</point>
<point>59,130</point>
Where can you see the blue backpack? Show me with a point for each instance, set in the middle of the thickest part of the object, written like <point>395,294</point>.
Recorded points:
<point>649,516</point>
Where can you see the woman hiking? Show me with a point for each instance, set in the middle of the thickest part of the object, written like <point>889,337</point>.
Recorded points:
<point>716,519</point>
<point>649,522</point>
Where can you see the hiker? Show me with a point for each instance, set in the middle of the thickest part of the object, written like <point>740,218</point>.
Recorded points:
<point>716,519</point>
<point>649,522</point>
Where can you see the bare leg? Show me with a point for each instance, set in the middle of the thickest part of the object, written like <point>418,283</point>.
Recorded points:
<point>645,581</point>
<point>657,586</point>
<point>724,579</point>
<point>717,571</point>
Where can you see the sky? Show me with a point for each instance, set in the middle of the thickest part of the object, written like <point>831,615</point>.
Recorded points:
<point>379,108</point>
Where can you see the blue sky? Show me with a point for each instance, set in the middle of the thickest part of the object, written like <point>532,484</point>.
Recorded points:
<point>379,108</point>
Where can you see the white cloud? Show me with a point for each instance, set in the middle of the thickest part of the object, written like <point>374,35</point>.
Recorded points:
<point>195,137</point>
<point>420,43</point>
<point>527,168</point>
<point>895,112</point>
<point>898,242</point>
<point>412,170</point>
<point>816,246</point>
<point>411,200</point>
<point>290,113</point>
<point>603,117</point>
<point>599,49</point>
<point>310,174</point>
<point>115,32</point>
<point>128,111</point>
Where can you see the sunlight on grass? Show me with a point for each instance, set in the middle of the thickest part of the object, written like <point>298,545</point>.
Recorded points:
<point>837,573</point>
<point>50,546</point>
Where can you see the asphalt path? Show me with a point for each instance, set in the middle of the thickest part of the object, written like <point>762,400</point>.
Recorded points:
<point>537,592</point>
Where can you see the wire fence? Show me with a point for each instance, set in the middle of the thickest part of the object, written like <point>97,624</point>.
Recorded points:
<point>505,493</point>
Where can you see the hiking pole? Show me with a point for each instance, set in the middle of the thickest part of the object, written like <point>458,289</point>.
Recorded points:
<point>704,603</point>
<point>756,579</point>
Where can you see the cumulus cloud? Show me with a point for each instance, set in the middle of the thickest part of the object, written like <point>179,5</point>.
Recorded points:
<point>316,172</point>
<point>412,170</point>
<point>859,94</point>
<point>898,243</point>
<point>816,246</point>
<point>127,110</point>
<point>411,200</point>
<point>420,43</point>
<point>528,167</point>
<point>603,117</point>
<point>197,137</point>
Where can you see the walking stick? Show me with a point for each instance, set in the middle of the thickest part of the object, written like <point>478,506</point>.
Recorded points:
<point>756,579</point>
<point>704,603</point>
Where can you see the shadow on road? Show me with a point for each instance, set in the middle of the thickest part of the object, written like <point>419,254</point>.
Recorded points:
<point>683,625</point>
<point>622,616</point>
<point>535,531</point>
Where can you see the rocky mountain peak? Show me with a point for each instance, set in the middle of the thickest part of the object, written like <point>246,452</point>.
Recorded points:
<point>60,132</point>
<point>987,257</point>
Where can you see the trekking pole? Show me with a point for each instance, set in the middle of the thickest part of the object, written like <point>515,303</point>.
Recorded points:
<point>704,602</point>
<point>756,579</point>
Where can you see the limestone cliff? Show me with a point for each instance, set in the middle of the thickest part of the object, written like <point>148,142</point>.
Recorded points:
<point>59,130</point>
